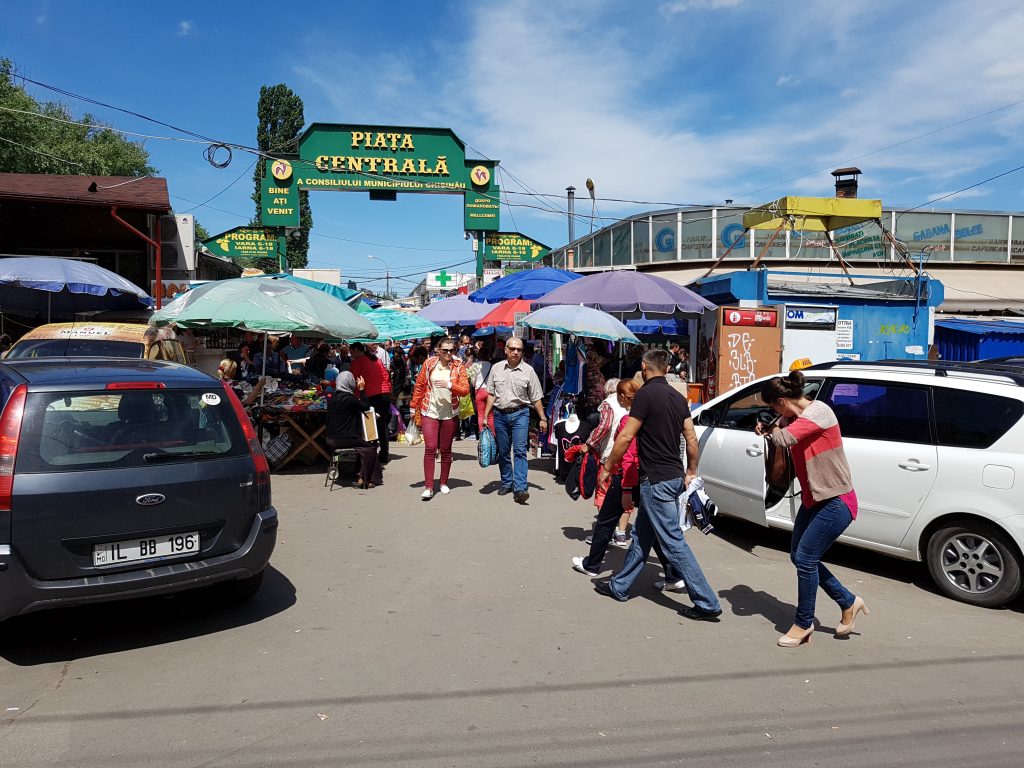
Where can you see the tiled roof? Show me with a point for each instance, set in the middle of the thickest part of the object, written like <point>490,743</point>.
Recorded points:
<point>145,193</point>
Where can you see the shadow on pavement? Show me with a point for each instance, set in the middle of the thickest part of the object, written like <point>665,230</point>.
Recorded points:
<point>744,601</point>
<point>453,482</point>
<point>94,630</point>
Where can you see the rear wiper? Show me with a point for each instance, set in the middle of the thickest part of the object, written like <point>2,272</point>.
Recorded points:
<point>165,456</point>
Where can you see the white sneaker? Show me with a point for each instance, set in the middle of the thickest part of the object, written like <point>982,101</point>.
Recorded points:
<point>674,586</point>
<point>577,565</point>
<point>427,494</point>
<point>445,489</point>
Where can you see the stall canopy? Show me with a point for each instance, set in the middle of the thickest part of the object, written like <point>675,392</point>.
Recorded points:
<point>579,321</point>
<point>350,297</point>
<point>456,310</point>
<point>395,325</point>
<point>527,284</point>
<point>62,288</point>
<point>504,314</point>
<point>265,304</point>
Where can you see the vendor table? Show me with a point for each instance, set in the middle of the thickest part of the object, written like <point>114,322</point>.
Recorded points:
<point>318,415</point>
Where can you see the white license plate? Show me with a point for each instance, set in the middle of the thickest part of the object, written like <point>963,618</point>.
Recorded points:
<point>154,547</point>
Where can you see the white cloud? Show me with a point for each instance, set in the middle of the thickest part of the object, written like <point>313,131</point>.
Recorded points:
<point>967,193</point>
<point>787,80</point>
<point>185,28</point>
<point>675,7</point>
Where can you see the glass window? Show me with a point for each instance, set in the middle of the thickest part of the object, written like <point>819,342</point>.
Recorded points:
<point>730,232</point>
<point>762,238</point>
<point>980,238</point>
<point>1017,245</point>
<point>881,411</point>
<point>77,348</point>
<point>966,419</point>
<point>133,428</point>
<point>741,409</point>
<point>603,249</point>
<point>696,234</point>
<point>925,232</point>
<point>642,241</point>
<point>620,246</point>
<point>861,242</point>
<point>586,254</point>
<point>805,244</point>
<point>665,237</point>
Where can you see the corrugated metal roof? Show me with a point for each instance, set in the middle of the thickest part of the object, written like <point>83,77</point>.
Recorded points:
<point>139,193</point>
<point>983,327</point>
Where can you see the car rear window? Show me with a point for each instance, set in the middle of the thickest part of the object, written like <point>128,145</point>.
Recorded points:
<point>65,432</point>
<point>967,419</point>
<point>76,348</point>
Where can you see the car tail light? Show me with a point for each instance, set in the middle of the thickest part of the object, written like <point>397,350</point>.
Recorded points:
<point>136,385</point>
<point>10,432</point>
<point>255,449</point>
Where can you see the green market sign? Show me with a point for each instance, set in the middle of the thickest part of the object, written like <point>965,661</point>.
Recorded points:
<point>248,242</point>
<point>513,246</point>
<point>380,159</point>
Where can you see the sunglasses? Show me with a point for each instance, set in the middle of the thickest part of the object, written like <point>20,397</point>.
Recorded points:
<point>443,349</point>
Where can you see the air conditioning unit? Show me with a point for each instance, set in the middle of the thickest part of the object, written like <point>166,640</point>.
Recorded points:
<point>177,243</point>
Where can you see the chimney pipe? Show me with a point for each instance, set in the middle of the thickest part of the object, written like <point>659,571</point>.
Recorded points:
<point>846,181</point>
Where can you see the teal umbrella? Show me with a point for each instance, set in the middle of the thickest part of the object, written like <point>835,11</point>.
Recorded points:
<point>268,305</point>
<point>401,326</point>
<point>350,297</point>
<point>580,321</point>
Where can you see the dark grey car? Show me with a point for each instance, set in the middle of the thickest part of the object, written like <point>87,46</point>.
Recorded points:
<point>121,478</point>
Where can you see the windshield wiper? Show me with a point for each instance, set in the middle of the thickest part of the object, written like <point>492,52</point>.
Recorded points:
<point>167,456</point>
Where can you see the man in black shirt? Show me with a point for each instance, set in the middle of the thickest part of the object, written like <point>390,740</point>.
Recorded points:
<point>659,416</point>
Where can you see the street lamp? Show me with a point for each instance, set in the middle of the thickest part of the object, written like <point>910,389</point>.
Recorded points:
<point>387,273</point>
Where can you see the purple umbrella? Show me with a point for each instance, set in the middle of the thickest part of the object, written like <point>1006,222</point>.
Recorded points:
<point>627,291</point>
<point>456,310</point>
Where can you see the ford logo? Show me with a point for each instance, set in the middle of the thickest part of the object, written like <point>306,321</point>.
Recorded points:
<point>150,499</point>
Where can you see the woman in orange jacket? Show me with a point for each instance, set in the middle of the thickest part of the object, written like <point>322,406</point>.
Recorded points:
<point>435,406</point>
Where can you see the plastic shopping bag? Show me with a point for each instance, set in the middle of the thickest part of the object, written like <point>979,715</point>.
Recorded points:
<point>466,407</point>
<point>413,434</point>
<point>486,448</point>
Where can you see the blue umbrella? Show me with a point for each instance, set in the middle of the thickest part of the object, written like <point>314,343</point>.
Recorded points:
<point>64,287</point>
<point>527,284</point>
<point>493,330</point>
<point>658,325</point>
<point>579,321</point>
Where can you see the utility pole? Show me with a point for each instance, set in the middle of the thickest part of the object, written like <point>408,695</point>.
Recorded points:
<point>571,194</point>
<point>387,274</point>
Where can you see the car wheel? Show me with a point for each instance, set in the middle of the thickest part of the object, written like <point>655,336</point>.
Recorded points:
<point>974,563</point>
<point>241,590</point>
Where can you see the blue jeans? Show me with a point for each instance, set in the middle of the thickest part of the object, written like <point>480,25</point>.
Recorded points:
<point>814,531</point>
<point>512,433</point>
<point>658,518</point>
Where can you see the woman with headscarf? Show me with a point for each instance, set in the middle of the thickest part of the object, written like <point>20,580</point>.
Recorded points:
<point>345,429</point>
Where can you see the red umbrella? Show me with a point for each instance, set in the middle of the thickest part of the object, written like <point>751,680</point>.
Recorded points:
<point>504,313</point>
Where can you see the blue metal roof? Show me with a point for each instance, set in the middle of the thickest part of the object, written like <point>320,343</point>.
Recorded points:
<point>983,327</point>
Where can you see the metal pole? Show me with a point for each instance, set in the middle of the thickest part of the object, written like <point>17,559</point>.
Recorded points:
<point>571,195</point>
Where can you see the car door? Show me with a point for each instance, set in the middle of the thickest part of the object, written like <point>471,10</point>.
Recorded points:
<point>889,442</point>
<point>732,455</point>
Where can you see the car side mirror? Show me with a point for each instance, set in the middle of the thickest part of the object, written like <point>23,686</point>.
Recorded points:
<point>706,418</point>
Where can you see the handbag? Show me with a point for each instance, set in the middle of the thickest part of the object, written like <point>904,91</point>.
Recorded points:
<point>486,448</point>
<point>778,465</point>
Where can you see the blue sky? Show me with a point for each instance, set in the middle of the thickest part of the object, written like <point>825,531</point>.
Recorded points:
<point>670,101</point>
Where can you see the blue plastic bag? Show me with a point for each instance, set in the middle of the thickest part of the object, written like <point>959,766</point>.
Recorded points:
<point>486,448</point>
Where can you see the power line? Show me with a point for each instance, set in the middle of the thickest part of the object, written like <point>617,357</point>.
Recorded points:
<point>44,154</point>
<point>229,186</point>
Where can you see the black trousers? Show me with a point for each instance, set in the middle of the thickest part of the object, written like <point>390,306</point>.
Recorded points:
<point>382,405</point>
<point>607,518</point>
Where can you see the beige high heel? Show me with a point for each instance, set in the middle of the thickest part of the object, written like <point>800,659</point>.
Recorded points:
<point>795,642</point>
<point>858,607</point>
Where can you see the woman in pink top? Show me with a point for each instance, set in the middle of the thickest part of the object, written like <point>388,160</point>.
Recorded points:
<point>828,503</point>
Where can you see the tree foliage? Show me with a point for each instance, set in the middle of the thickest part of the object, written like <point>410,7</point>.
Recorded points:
<point>31,143</point>
<point>280,120</point>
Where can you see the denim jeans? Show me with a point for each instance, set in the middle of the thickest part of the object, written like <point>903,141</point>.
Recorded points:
<point>511,433</point>
<point>658,519</point>
<point>814,531</point>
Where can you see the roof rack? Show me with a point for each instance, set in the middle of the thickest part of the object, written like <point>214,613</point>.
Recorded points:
<point>940,367</point>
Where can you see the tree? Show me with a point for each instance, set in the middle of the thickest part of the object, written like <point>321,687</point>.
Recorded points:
<point>31,143</point>
<point>201,232</point>
<point>280,120</point>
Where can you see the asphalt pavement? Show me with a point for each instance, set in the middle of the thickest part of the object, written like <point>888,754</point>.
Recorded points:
<point>393,632</point>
